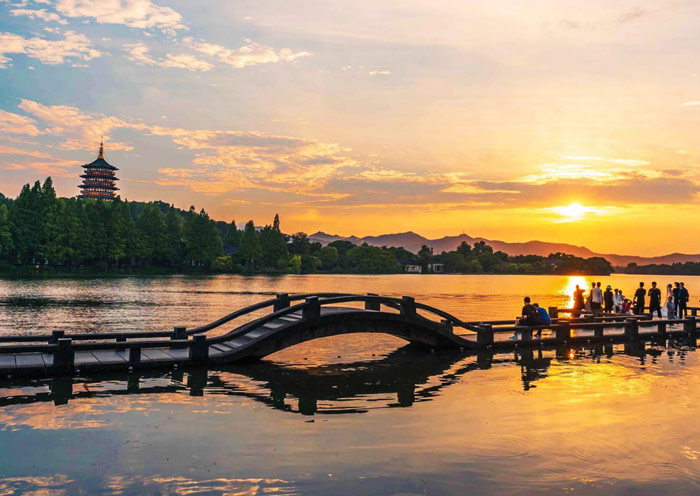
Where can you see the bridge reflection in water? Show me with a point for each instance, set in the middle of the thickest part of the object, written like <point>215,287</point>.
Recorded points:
<point>401,379</point>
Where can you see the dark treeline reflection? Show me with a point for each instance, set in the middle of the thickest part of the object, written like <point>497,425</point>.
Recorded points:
<point>401,379</point>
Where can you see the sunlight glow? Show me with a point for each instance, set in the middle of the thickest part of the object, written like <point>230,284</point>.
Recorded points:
<point>573,211</point>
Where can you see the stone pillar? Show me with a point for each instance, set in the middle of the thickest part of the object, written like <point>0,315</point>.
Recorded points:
<point>484,336</point>
<point>179,333</point>
<point>199,350</point>
<point>408,306</point>
<point>563,331</point>
<point>281,302</point>
<point>134,355</point>
<point>65,355</point>
<point>56,335</point>
<point>632,328</point>
<point>312,309</point>
<point>554,312</point>
<point>373,305</point>
<point>448,326</point>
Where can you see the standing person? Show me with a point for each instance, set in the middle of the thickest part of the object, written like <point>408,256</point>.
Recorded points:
<point>609,299</point>
<point>676,296</point>
<point>654,299</point>
<point>638,301</point>
<point>670,308</point>
<point>596,299</point>
<point>528,316</point>
<point>543,318</point>
<point>618,299</point>
<point>669,291</point>
<point>683,298</point>
<point>578,302</point>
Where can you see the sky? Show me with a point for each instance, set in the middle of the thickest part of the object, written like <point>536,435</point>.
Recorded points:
<point>569,121</point>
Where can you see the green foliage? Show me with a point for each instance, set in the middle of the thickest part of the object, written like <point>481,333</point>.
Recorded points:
<point>38,229</point>
<point>251,250</point>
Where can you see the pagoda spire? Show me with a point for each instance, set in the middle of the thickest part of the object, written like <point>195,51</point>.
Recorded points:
<point>102,148</point>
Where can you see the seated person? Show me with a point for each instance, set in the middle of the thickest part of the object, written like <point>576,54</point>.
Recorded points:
<point>543,318</point>
<point>528,316</point>
<point>626,306</point>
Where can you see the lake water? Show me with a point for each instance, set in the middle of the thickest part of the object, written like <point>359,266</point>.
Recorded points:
<point>356,414</point>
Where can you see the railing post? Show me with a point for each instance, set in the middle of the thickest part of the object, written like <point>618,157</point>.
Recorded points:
<point>121,339</point>
<point>448,326</point>
<point>312,309</point>
<point>281,302</point>
<point>373,305</point>
<point>179,333</point>
<point>134,355</point>
<point>554,312</point>
<point>694,312</point>
<point>563,331</point>
<point>662,329</point>
<point>526,334</point>
<point>632,328</point>
<point>408,306</point>
<point>690,325</point>
<point>56,335</point>
<point>599,332</point>
<point>65,355</point>
<point>484,336</point>
<point>199,349</point>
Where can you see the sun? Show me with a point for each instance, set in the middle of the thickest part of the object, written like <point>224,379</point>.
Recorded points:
<point>572,212</point>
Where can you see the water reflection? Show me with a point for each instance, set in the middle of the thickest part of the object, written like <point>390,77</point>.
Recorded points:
<point>401,379</point>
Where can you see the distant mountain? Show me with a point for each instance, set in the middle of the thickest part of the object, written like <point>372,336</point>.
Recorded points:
<point>413,242</point>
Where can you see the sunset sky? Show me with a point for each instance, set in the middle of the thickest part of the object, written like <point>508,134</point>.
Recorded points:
<point>569,121</point>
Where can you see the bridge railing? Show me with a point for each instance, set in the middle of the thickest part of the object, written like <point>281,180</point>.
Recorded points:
<point>175,334</point>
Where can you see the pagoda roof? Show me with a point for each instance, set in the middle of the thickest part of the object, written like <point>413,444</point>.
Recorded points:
<point>100,163</point>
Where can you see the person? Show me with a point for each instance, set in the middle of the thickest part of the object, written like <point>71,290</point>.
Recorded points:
<point>683,298</point>
<point>676,295</point>
<point>626,306</point>
<point>596,299</point>
<point>543,318</point>
<point>670,308</point>
<point>669,291</point>
<point>609,299</point>
<point>578,302</point>
<point>638,301</point>
<point>618,299</point>
<point>528,316</point>
<point>654,299</point>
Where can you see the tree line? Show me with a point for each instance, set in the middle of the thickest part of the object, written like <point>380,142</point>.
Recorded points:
<point>40,230</point>
<point>687,268</point>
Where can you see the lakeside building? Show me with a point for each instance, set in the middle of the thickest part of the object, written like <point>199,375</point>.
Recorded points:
<point>99,179</point>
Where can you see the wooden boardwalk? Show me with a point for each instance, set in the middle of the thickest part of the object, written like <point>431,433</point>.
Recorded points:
<point>295,319</point>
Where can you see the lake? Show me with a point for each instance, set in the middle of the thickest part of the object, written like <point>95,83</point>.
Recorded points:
<point>355,414</point>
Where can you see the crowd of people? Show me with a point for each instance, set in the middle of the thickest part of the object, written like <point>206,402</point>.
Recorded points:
<point>612,301</point>
<point>598,301</point>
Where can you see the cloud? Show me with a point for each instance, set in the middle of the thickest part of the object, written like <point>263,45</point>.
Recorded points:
<point>18,124</point>
<point>621,161</point>
<point>140,53</point>
<point>379,73</point>
<point>73,45</point>
<point>39,14</point>
<point>80,131</point>
<point>251,53</point>
<point>141,14</point>
<point>693,103</point>
<point>37,161</point>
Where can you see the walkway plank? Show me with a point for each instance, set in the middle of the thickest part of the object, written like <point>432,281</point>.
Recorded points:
<point>109,356</point>
<point>33,360</point>
<point>156,354</point>
<point>85,358</point>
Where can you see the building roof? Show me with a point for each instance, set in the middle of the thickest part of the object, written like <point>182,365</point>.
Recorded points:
<point>101,163</point>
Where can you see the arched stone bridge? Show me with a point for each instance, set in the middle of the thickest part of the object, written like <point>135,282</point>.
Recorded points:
<point>291,320</point>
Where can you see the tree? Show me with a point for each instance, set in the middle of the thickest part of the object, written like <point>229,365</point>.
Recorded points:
<point>274,247</point>
<point>300,244</point>
<point>329,257</point>
<point>251,251</point>
<point>7,246</point>
<point>233,235</point>
<point>276,223</point>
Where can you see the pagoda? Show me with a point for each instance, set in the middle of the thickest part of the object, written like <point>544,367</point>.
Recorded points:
<point>99,180</point>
